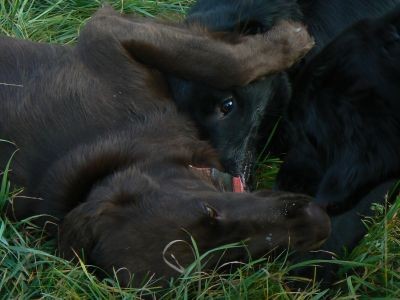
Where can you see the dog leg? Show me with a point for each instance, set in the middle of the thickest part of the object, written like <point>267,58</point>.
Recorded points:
<point>219,60</point>
<point>347,231</point>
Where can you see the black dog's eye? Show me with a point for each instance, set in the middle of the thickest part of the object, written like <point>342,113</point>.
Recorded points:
<point>227,106</point>
<point>211,211</point>
<point>393,34</point>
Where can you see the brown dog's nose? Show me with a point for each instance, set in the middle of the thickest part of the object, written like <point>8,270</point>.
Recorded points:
<point>320,218</point>
<point>317,230</point>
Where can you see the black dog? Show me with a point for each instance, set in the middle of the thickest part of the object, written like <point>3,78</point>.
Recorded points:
<point>240,121</point>
<point>103,149</point>
<point>345,113</point>
<point>312,136</point>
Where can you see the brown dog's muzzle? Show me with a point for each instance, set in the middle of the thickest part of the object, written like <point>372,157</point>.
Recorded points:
<point>224,182</point>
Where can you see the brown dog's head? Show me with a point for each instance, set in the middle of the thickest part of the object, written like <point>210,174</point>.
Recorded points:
<point>129,219</point>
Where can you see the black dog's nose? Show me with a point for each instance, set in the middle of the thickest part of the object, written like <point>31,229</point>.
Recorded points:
<point>323,205</point>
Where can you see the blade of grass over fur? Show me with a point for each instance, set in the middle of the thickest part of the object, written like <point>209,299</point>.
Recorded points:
<point>266,166</point>
<point>262,153</point>
<point>5,184</point>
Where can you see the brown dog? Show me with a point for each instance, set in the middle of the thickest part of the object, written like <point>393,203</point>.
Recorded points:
<point>103,149</point>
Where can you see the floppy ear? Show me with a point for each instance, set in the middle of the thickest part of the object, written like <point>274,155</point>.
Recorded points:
<point>77,231</point>
<point>84,226</point>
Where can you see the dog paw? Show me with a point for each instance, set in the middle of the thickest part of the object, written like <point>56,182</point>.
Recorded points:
<point>291,41</point>
<point>273,52</point>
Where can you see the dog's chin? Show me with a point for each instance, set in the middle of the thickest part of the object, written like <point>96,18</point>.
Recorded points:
<point>244,170</point>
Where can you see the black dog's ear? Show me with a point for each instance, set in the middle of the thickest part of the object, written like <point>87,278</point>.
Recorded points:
<point>246,17</point>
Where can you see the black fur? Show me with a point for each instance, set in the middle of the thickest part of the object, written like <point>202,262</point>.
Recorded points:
<point>345,115</point>
<point>344,111</point>
<point>258,107</point>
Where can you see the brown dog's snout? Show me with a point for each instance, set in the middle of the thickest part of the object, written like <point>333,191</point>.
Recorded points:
<point>317,230</point>
<point>321,218</point>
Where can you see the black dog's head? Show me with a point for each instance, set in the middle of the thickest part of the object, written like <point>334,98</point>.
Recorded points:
<point>230,119</point>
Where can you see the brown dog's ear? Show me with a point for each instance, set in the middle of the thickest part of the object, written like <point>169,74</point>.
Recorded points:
<point>77,231</point>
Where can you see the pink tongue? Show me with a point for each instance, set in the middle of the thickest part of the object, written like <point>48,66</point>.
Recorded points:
<point>237,185</point>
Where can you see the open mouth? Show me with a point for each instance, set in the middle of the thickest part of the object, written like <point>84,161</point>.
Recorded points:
<point>224,182</point>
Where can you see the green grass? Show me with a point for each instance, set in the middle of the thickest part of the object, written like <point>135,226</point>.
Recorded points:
<point>58,21</point>
<point>30,268</point>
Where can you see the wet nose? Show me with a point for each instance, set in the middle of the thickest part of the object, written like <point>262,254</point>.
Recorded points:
<point>321,220</point>
<point>318,229</point>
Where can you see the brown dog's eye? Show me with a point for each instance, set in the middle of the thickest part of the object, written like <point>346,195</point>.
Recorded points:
<point>227,106</point>
<point>211,211</point>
